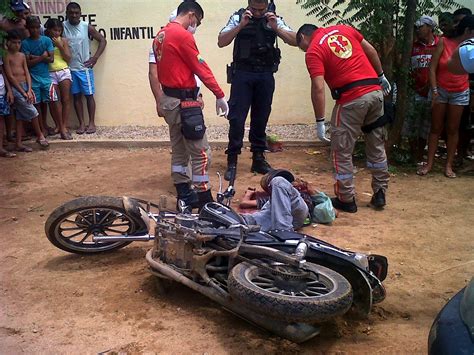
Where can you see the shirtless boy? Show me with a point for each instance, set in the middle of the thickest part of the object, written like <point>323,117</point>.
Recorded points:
<point>17,73</point>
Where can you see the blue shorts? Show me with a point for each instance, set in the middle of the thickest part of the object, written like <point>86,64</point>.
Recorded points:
<point>453,98</point>
<point>4,106</point>
<point>83,82</point>
<point>44,91</point>
<point>24,111</point>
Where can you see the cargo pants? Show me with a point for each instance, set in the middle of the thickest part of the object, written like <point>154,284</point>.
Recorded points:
<point>286,209</point>
<point>185,152</point>
<point>346,122</point>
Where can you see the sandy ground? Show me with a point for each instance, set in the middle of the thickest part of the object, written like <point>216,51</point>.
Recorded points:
<point>53,302</point>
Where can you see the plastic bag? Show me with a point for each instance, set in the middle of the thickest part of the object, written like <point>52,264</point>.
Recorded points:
<point>323,211</point>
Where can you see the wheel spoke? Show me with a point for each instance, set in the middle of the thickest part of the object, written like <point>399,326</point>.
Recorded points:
<point>85,237</point>
<point>119,225</point>
<point>72,228</point>
<point>84,218</point>
<point>75,222</point>
<point>273,289</point>
<point>264,279</point>
<point>304,294</point>
<point>113,230</point>
<point>263,285</point>
<point>75,234</point>
<point>94,216</point>
<point>105,217</point>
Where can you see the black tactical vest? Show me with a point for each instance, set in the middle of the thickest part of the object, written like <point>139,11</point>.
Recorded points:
<point>254,47</point>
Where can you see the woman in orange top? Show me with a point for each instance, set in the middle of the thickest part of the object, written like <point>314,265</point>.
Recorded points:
<point>449,94</point>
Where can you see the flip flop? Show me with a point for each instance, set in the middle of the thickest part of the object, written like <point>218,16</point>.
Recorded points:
<point>43,143</point>
<point>422,171</point>
<point>80,131</point>
<point>7,154</point>
<point>90,130</point>
<point>66,136</point>
<point>24,149</point>
<point>52,131</point>
<point>450,175</point>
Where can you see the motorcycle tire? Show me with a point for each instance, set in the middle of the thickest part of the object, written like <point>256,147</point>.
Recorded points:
<point>318,298</point>
<point>71,226</point>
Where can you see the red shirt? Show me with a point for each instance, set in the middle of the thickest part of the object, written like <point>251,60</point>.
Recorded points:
<point>445,79</point>
<point>178,60</point>
<point>336,53</point>
<point>421,54</point>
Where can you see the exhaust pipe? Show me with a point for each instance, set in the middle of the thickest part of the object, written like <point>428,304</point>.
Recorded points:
<point>122,238</point>
<point>295,332</point>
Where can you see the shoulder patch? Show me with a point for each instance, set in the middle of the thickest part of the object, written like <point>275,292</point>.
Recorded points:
<point>340,45</point>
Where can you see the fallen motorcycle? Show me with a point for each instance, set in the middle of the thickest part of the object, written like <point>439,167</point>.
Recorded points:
<point>283,281</point>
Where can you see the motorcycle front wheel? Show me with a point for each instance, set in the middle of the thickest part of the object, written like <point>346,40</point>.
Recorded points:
<point>72,226</point>
<point>311,297</point>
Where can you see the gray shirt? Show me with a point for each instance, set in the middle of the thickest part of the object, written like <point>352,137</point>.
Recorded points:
<point>78,37</point>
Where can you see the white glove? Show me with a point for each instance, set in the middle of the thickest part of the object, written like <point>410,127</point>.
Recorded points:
<point>386,87</point>
<point>222,108</point>
<point>321,131</point>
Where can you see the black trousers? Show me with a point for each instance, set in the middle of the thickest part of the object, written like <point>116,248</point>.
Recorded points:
<point>250,91</point>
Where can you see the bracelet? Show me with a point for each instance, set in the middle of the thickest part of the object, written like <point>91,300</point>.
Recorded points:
<point>434,90</point>
<point>321,119</point>
<point>381,74</point>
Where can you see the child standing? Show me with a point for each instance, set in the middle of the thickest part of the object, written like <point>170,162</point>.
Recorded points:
<point>6,99</point>
<point>59,71</point>
<point>39,51</point>
<point>19,77</point>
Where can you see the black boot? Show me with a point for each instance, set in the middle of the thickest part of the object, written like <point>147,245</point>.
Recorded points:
<point>186,195</point>
<point>259,164</point>
<point>378,199</point>
<point>203,198</point>
<point>231,171</point>
<point>349,207</point>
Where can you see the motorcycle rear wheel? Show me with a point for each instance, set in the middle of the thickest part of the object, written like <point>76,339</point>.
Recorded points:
<point>321,295</point>
<point>71,226</point>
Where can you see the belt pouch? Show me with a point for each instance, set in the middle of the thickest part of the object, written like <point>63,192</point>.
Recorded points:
<point>192,120</point>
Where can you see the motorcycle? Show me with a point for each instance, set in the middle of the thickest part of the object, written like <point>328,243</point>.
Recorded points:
<point>283,281</point>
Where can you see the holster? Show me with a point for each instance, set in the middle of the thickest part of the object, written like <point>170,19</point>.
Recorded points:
<point>230,72</point>
<point>192,120</point>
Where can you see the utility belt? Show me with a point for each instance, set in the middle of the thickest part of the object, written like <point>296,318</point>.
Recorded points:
<point>337,93</point>
<point>387,118</point>
<point>192,118</point>
<point>231,69</point>
<point>182,94</point>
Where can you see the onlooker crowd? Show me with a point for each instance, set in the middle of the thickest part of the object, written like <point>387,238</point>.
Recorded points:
<point>42,67</point>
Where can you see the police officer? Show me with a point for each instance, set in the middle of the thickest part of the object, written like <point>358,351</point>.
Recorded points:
<point>255,58</point>
<point>178,60</point>
<point>351,67</point>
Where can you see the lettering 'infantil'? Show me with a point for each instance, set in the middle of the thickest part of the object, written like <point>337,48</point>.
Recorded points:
<point>124,33</point>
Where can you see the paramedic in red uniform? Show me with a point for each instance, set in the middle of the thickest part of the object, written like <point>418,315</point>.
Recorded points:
<point>351,67</point>
<point>178,59</point>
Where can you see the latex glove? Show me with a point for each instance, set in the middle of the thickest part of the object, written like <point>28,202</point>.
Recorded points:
<point>321,131</point>
<point>386,87</point>
<point>222,108</point>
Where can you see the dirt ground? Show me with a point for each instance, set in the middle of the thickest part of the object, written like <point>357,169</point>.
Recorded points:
<point>54,302</point>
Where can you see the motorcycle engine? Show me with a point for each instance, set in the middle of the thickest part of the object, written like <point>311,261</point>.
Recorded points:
<point>173,247</point>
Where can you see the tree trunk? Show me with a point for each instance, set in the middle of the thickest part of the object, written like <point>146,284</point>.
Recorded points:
<point>402,99</point>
